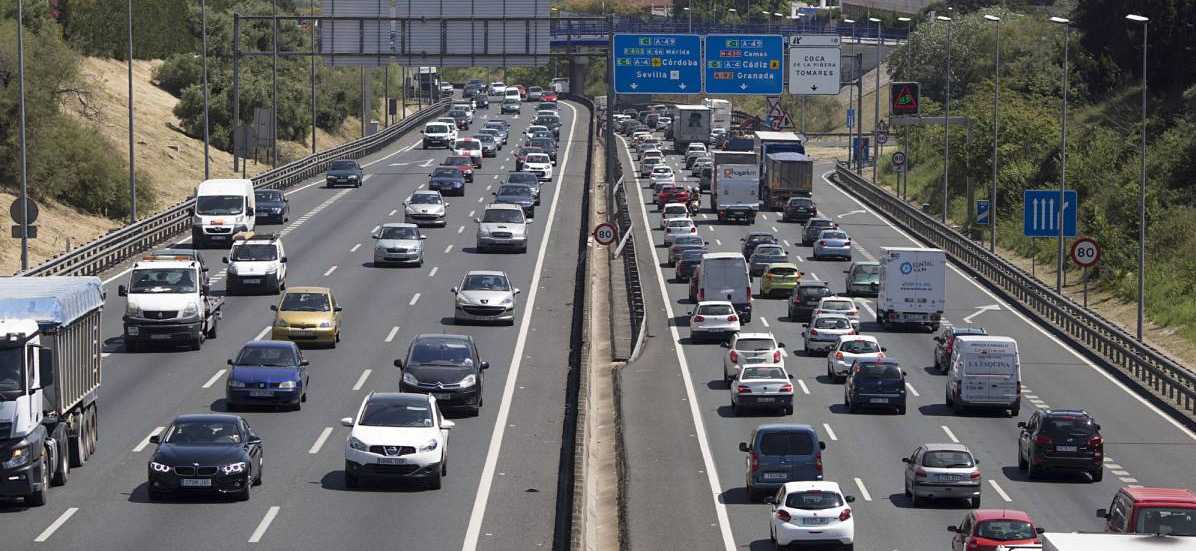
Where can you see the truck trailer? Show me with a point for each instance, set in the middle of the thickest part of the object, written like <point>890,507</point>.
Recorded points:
<point>691,124</point>
<point>912,287</point>
<point>734,194</point>
<point>768,142</point>
<point>789,175</point>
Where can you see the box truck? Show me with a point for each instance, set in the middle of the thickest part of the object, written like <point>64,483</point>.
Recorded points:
<point>789,175</point>
<point>690,124</point>
<point>912,286</point>
<point>734,191</point>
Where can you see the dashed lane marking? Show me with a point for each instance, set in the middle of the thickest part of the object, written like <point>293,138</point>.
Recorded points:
<point>262,333</point>
<point>54,526</point>
<point>414,299</point>
<point>355,247</point>
<point>950,434</point>
<point>863,491</point>
<point>830,432</point>
<point>319,443</point>
<point>330,270</point>
<point>216,377</point>
<point>264,524</point>
<point>146,441</point>
<point>362,379</point>
<point>999,490</point>
<point>434,270</point>
<point>391,335</point>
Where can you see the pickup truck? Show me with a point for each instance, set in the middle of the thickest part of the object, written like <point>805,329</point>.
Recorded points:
<point>169,302</point>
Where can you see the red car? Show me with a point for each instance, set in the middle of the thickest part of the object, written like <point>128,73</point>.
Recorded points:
<point>671,194</point>
<point>985,529</point>
<point>522,92</point>
<point>463,163</point>
<point>521,155</point>
<point>548,95</point>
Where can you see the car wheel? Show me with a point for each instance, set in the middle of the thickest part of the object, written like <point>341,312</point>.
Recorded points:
<point>915,500</point>
<point>976,502</point>
<point>788,410</point>
<point>734,408</point>
<point>1098,474</point>
<point>849,546</point>
<point>1015,410</point>
<point>434,483</point>
<point>197,341</point>
<point>852,407</point>
<point>1021,461</point>
<point>956,407</point>
<point>907,492</point>
<point>257,480</point>
<point>351,480</point>
<point>130,347</point>
<point>901,410</point>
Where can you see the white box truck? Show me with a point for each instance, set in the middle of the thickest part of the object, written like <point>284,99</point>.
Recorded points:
<point>913,286</point>
<point>691,124</point>
<point>734,186</point>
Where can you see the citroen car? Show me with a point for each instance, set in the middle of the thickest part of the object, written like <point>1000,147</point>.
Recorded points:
<point>344,171</point>
<point>307,315</point>
<point>446,366</point>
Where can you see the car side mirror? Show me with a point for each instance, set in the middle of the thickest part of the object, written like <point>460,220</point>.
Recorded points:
<point>780,345</point>
<point>477,220</point>
<point>122,290</point>
<point>1040,530</point>
<point>304,362</point>
<point>905,460</point>
<point>206,288</point>
<point>447,424</point>
<point>274,307</point>
<point>805,325</point>
<point>529,221</point>
<point>1021,424</point>
<point>1097,425</point>
<point>229,361</point>
<point>224,259</point>
<point>155,439</point>
<point>253,440</point>
<point>849,499</point>
<point>337,309</point>
<point>743,447</point>
<point>422,237</point>
<point>846,272</point>
<point>953,528</point>
<point>494,193</point>
<point>822,445</point>
<point>283,260</point>
<point>374,237</point>
<point>249,212</point>
<point>790,375</point>
<point>485,365</point>
<point>517,292</point>
<point>347,421</point>
<point>884,349</point>
<point>724,344</point>
<point>938,339</point>
<point>771,500</point>
<point>398,363</point>
<point>1102,513</point>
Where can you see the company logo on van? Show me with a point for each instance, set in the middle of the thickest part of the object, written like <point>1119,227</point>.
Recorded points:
<point>907,268</point>
<point>732,172</point>
<point>919,266</point>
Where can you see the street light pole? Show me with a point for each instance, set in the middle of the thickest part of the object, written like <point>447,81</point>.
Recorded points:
<point>1063,156</point>
<point>992,207</point>
<point>311,73</point>
<point>1142,187</point>
<point>132,162</point>
<point>274,87</point>
<point>876,106</point>
<point>24,163</point>
<point>946,126</point>
<point>851,151</point>
<point>909,63</point>
<point>203,24</point>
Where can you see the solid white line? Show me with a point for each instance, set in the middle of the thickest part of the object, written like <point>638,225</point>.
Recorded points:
<point>804,389</point>
<point>1000,492</point>
<point>414,299</point>
<point>392,213</point>
<point>355,247</point>
<point>911,389</point>
<point>265,524</point>
<point>262,333</point>
<point>863,491</point>
<point>54,526</point>
<point>141,446</point>
<point>448,249</point>
<point>434,270</point>
<point>361,380</point>
<point>830,432</point>
<point>391,335</point>
<point>315,448</point>
<point>330,270</point>
<point>216,377</point>
<point>764,320</point>
<point>950,434</point>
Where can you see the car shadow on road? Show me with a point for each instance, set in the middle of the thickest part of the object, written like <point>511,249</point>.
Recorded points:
<point>934,371</point>
<point>1054,477</point>
<point>901,502</point>
<point>335,480</point>
<point>936,410</point>
<point>718,384</point>
<point>736,496</point>
<point>140,494</point>
<point>826,380</point>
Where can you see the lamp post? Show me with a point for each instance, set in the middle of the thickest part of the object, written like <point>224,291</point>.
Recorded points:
<point>1062,155</point>
<point>203,24</point>
<point>24,221</point>
<point>311,74</point>
<point>909,64</point>
<point>767,21</point>
<point>946,116</point>
<point>132,168</point>
<point>876,106</point>
<point>1145,21</point>
<point>690,11</point>
<point>851,152</point>
<point>992,208</point>
<point>732,10</point>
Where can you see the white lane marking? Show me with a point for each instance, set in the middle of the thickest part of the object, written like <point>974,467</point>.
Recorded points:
<point>146,441</point>
<point>849,213</point>
<point>355,247</point>
<point>784,353</point>
<point>434,270</point>
<point>375,230</point>
<point>461,229</point>
<point>830,432</point>
<point>367,177</point>
<point>479,199</point>
<point>264,524</point>
<point>262,333</point>
<point>495,177</point>
<point>324,434</point>
<point>216,377</point>
<point>330,270</point>
<point>950,434</point>
<point>474,530</point>
<point>718,242</point>
<point>471,213</point>
<point>362,379</point>
<point>786,242</point>
<point>911,389</point>
<point>866,306</point>
<point>54,526</point>
<point>390,336</point>
<point>1112,465</point>
<point>392,213</point>
<point>764,321</point>
<point>774,229</point>
<point>414,299</point>
<point>804,389</point>
<point>863,491</point>
<point>448,249</point>
<point>1128,479</point>
<point>980,310</point>
<point>1118,472</point>
<point>1000,491</point>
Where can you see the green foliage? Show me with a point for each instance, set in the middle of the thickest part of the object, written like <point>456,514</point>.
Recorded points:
<point>1115,43</point>
<point>100,27</point>
<point>178,72</point>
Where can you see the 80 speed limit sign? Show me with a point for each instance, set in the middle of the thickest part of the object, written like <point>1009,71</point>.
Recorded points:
<point>605,233</point>
<point>1085,252</point>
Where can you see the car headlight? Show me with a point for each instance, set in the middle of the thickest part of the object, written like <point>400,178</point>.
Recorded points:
<point>508,300</point>
<point>469,381</point>
<point>379,246</point>
<point>20,456</point>
<point>462,300</point>
<point>428,446</point>
<point>238,219</point>
<point>196,220</point>
<point>409,378</point>
<point>357,444</point>
<point>272,269</point>
<point>483,232</point>
<point>233,383</point>
<point>233,468</point>
<point>325,324</point>
<point>159,467</point>
<point>192,309</point>
<point>352,176</point>
<point>133,310</point>
<point>288,385</point>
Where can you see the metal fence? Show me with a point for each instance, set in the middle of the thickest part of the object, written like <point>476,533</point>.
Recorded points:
<point>620,213</point>
<point>1086,329</point>
<point>110,250</point>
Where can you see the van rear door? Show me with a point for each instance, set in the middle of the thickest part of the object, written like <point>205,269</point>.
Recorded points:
<point>989,378</point>
<point>787,455</point>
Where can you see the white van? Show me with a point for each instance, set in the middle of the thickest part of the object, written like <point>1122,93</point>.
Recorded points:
<point>985,372</point>
<point>724,276</point>
<point>512,93</point>
<point>222,209</point>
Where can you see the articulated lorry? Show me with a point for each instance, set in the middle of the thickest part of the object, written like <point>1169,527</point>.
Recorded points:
<point>734,191</point>
<point>49,380</point>
<point>767,142</point>
<point>789,175</point>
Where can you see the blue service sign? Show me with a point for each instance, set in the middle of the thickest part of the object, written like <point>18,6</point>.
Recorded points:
<point>744,64</point>
<point>658,63</point>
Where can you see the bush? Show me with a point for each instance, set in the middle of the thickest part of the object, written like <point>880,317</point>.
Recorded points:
<point>178,72</point>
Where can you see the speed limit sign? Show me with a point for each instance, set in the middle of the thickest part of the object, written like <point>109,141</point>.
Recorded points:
<point>1085,252</point>
<point>605,233</point>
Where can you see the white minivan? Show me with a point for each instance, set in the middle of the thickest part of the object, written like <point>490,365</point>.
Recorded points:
<point>724,276</point>
<point>985,372</point>
<point>223,208</point>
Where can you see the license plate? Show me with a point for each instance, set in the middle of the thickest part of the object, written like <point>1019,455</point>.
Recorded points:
<point>261,393</point>
<point>302,333</point>
<point>392,461</point>
<point>755,360</point>
<point>776,476</point>
<point>878,401</point>
<point>766,399</point>
<point>1065,448</point>
<point>252,281</point>
<point>815,520</point>
<point>443,396</point>
<point>949,478</point>
<point>160,337</point>
<point>915,317</point>
<point>196,482</point>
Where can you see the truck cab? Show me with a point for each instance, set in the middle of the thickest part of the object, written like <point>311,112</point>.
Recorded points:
<point>256,262</point>
<point>169,303</point>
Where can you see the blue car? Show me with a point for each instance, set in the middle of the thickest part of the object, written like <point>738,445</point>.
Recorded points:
<point>271,206</point>
<point>267,373</point>
<point>448,180</point>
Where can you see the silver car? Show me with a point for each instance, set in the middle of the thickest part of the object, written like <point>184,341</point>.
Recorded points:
<point>695,169</point>
<point>713,318</point>
<point>399,243</point>
<point>832,244</point>
<point>942,471</point>
<point>502,227</point>
<point>485,296</point>
<point>762,387</point>
<point>763,256</point>
<point>823,332</point>
<point>499,127</point>
<point>425,207</point>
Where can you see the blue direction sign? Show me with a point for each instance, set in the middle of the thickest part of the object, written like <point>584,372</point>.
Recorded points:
<point>744,64</point>
<point>1041,218</point>
<point>658,64</point>
<point>982,211</point>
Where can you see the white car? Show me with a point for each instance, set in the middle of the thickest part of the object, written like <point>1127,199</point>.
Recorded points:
<point>839,305</point>
<point>678,226</point>
<point>811,511</point>
<point>762,387</point>
<point>847,350</point>
<point>256,262</point>
<point>662,173</point>
<point>425,207</point>
<point>672,211</point>
<point>469,147</point>
<point>399,435</point>
<point>502,226</point>
<point>695,151</point>
<point>751,349</point>
<point>695,169</point>
<point>467,106</point>
<point>639,136</point>
<point>663,123</point>
<point>823,331</point>
<point>539,164</point>
<point>532,129</point>
<point>653,154</point>
<point>713,318</point>
<point>497,89</point>
<point>440,134</point>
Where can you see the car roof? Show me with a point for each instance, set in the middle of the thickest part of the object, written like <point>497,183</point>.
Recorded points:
<point>714,303</point>
<point>838,298</point>
<point>785,427</point>
<point>820,219</point>
<point>398,225</point>
<point>772,265</point>
<point>324,290</point>
<point>398,397</point>
<point>967,330</point>
<point>1161,495</point>
<point>208,417</point>
<point>994,514</point>
<point>442,336</point>
<point>425,192</point>
<point>814,283</point>
<point>812,485</point>
<point>1065,413</point>
<point>486,273</point>
<point>503,206</point>
<point>945,447</point>
<point>828,315</point>
<point>289,345</point>
<point>743,335</point>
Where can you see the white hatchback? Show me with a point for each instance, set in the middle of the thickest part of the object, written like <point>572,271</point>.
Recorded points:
<point>662,173</point>
<point>713,318</point>
<point>751,349</point>
<point>812,511</point>
<point>849,349</point>
<point>678,226</point>
<point>672,211</point>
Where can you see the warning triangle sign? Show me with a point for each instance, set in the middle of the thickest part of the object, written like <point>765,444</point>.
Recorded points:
<point>777,117</point>
<point>905,99</point>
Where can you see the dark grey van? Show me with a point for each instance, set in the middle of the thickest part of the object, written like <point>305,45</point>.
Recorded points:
<point>779,453</point>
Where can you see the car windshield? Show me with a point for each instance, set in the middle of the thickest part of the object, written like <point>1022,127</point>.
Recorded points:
<point>342,165</point>
<point>877,371</point>
<point>1179,521</point>
<point>769,251</point>
<point>517,189</point>
<point>385,413</point>
<point>537,158</point>
<point>947,459</point>
<point>545,143</point>
<point>813,500</point>
<point>502,216</point>
<point>692,256</point>
<point>436,129</point>
<point>462,144</point>
<point>546,105</point>
<point>763,373</point>
<point>424,199</point>
<point>459,161</point>
<point>755,239</point>
<point>485,139</point>
<point>202,433</point>
<point>521,178</point>
<point>837,305</point>
<point>786,271</point>
<point>823,322</point>
<point>869,272</point>
<point>819,223</point>
<point>1069,425</point>
<point>446,172</point>
<point>485,283</point>
<point>259,252</point>
<point>715,310</point>
<point>441,352</point>
<point>1005,530</point>
<point>833,235</point>
<point>487,131</point>
<point>800,202</point>
<point>305,302</point>
<point>662,170</point>
<point>163,280</point>
<point>268,195</point>
<point>786,443</point>
<point>859,346</point>
<point>268,356</point>
<point>814,293</point>
<point>754,345</point>
<point>675,209</point>
<point>399,232</point>
<point>688,240</point>
<point>219,205</point>
<point>497,125</point>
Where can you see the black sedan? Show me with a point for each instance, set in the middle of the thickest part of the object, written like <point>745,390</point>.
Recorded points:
<point>799,209</point>
<point>876,382</point>
<point>518,194</point>
<point>447,367</point>
<point>480,100</point>
<point>206,453</point>
<point>547,144</point>
<point>344,171</point>
<point>271,206</point>
<point>755,239</point>
<point>814,227</point>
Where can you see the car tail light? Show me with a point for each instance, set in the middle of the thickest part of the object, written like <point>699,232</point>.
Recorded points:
<point>744,389</point>
<point>818,461</point>
<point>838,355</point>
<point>813,332</point>
<point>852,332</point>
<point>1042,440</point>
<point>1095,441</point>
<point>847,243</point>
<point>786,388</point>
<point>776,355</point>
<point>920,473</point>
<point>974,475</point>
<point>732,317</point>
<point>845,514</point>
<point>734,357</point>
<point>693,230</point>
<point>783,515</point>
<point>755,462</point>
<point>699,318</point>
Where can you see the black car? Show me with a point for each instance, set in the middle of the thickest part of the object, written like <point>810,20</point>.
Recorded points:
<point>480,100</point>
<point>547,106</point>
<point>805,299</point>
<point>1062,439</point>
<point>517,194</point>
<point>344,171</point>
<point>547,144</point>
<point>813,229</point>
<point>754,239</point>
<point>688,262</point>
<point>945,340</point>
<point>527,179</point>
<point>704,178</point>
<point>447,367</point>
<point>499,126</point>
<point>205,453</point>
<point>448,180</point>
<point>271,206</point>
<point>877,383</point>
<point>460,118</point>
<point>799,209</point>
<point>552,122</point>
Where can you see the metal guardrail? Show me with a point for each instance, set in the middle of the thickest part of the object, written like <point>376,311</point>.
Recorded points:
<point>617,208</point>
<point>1146,365</point>
<point>110,250</point>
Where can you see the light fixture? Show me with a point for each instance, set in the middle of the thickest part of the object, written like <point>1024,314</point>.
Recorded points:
<point>992,18</point>
<point>943,18</point>
<point>1060,20</point>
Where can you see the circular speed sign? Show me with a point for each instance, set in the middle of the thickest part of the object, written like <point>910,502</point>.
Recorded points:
<point>605,233</point>
<point>1085,252</point>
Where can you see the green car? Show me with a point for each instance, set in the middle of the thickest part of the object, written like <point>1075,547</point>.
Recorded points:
<point>863,278</point>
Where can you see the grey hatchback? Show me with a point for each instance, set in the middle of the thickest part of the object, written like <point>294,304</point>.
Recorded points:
<point>780,453</point>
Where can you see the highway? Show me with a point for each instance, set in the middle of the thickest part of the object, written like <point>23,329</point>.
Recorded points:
<point>500,491</point>
<point>674,499</point>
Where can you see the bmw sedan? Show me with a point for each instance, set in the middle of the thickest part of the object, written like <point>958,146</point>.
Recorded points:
<point>205,453</point>
<point>267,373</point>
<point>397,435</point>
<point>485,296</point>
<point>399,243</point>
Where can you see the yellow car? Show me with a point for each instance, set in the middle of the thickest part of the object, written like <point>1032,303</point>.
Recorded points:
<point>307,315</point>
<point>779,276</point>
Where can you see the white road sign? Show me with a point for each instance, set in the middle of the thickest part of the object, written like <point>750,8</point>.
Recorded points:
<point>814,71</point>
<point>815,40</point>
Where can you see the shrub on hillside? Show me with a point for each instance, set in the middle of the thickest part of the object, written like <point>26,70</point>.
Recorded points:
<point>178,72</point>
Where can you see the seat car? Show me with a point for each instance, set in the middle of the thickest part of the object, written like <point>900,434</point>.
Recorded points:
<point>672,193</point>
<point>875,383</point>
<point>490,146</point>
<point>823,331</point>
<point>307,315</point>
<point>343,171</point>
<point>447,180</point>
<point>839,305</point>
<point>863,279</point>
<point>746,349</point>
<point>832,244</point>
<point>484,295</point>
<point>847,350</point>
<point>812,513</point>
<point>678,226</point>
<point>425,207</point>
<point>1061,439</point>
<point>780,277</point>
<point>205,453</point>
<point>271,206</point>
<point>399,243</point>
<point>397,435</point>
<point>685,242</point>
<point>448,367</point>
<point>755,239</point>
<point>779,453</point>
<point>267,373</point>
<point>799,209</point>
<point>765,255</point>
<point>938,471</point>
<point>762,387</point>
<point>713,319</point>
<point>813,229</point>
<point>805,299</point>
<point>945,342</point>
<point>994,530</point>
<point>462,163</point>
<point>502,227</point>
<point>517,194</point>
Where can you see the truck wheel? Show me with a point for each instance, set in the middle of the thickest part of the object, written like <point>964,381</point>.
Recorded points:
<point>64,469</point>
<point>93,434</point>
<point>212,330</point>
<point>197,341</point>
<point>38,498</point>
<point>77,445</point>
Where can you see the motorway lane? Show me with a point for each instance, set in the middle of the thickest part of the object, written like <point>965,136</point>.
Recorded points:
<point>146,390</point>
<point>1140,443</point>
